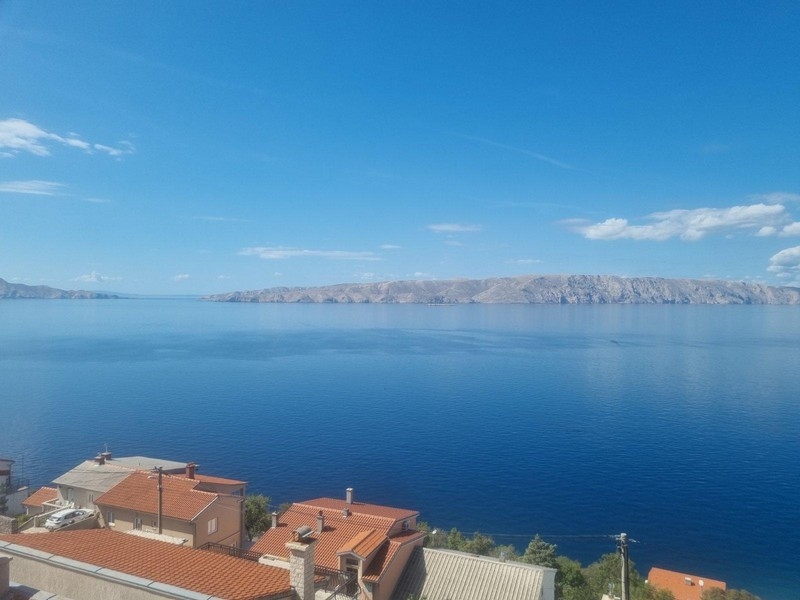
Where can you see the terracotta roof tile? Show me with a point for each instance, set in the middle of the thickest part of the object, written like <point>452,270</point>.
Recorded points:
<point>139,492</point>
<point>363,544</point>
<point>361,508</point>
<point>197,570</point>
<point>682,585</point>
<point>381,561</point>
<point>40,496</point>
<point>215,479</point>
<point>338,531</point>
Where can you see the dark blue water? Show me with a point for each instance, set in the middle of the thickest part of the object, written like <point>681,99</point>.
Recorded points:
<point>679,425</point>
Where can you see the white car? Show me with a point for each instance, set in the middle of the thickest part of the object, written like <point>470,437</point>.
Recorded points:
<point>65,517</point>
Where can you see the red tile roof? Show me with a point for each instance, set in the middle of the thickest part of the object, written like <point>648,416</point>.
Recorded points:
<point>363,544</point>
<point>40,496</point>
<point>197,570</point>
<point>219,480</point>
<point>682,585</point>
<point>139,492</point>
<point>380,562</point>
<point>361,508</point>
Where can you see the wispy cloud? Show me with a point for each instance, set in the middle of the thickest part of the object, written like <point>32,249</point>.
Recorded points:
<point>689,225</point>
<point>536,155</point>
<point>95,277</point>
<point>390,247</point>
<point>281,253</point>
<point>20,136</point>
<point>453,228</point>
<point>775,197</point>
<point>214,219</point>
<point>32,186</point>
<point>524,261</point>
<point>181,277</point>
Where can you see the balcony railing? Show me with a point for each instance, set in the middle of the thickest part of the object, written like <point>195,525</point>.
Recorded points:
<point>231,551</point>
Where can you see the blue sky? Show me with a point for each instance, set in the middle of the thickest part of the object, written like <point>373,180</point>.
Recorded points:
<point>190,147</point>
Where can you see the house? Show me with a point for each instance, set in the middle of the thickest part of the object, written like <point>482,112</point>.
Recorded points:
<point>371,542</point>
<point>437,574</point>
<point>13,490</point>
<point>176,506</point>
<point>97,564</point>
<point>682,585</point>
<point>40,501</point>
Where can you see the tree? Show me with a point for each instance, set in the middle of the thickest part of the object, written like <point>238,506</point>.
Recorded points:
<point>257,518</point>
<point>479,544</point>
<point>540,553</point>
<point>3,499</point>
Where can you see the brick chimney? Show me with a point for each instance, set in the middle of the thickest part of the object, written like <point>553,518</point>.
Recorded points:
<point>301,568</point>
<point>320,522</point>
<point>190,469</point>
<point>274,520</point>
<point>349,495</point>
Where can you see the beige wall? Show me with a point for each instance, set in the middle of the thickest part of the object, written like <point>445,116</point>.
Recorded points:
<point>228,512</point>
<point>124,519</point>
<point>67,583</point>
<point>226,509</point>
<point>398,527</point>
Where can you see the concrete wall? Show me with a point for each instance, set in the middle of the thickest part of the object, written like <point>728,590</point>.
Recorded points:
<point>228,512</point>
<point>76,581</point>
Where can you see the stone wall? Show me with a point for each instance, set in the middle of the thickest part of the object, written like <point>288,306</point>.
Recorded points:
<point>8,525</point>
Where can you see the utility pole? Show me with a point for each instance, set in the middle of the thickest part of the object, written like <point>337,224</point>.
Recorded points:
<point>160,497</point>
<point>623,548</point>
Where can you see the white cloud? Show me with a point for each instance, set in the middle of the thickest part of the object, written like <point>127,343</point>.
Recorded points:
<point>453,228</point>
<point>688,225</point>
<point>766,231</point>
<point>791,229</point>
<point>18,135</point>
<point>785,263</point>
<point>390,247</point>
<point>423,275</point>
<point>524,261</point>
<point>223,277</point>
<point>280,253</point>
<point>181,277</point>
<point>32,186</point>
<point>776,197</point>
<point>95,277</point>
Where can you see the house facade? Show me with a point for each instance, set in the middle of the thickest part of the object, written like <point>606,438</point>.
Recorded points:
<point>186,512</point>
<point>370,542</point>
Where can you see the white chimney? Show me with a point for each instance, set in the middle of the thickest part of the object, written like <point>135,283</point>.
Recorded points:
<point>274,520</point>
<point>320,522</point>
<point>349,495</point>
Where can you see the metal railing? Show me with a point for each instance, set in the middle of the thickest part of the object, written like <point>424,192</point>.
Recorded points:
<point>343,585</point>
<point>231,551</point>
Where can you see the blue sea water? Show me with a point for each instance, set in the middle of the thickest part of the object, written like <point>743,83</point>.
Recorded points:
<point>676,424</point>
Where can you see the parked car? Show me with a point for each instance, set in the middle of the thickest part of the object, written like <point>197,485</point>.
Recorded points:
<point>68,516</point>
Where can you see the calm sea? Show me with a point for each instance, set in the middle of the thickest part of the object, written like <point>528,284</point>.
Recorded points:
<point>679,425</point>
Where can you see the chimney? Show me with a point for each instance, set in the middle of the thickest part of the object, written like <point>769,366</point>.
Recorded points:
<point>190,468</point>
<point>349,495</point>
<point>106,455</point>
<point>5,575</point>
<point>320,522</point>
<point>274,520</point>
<point>301,567</point>
<point>99,459</point>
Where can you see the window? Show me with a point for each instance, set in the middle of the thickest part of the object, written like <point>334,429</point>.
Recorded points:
<point>212,526</point>
<point>110,517</point>
<point>137,523</point>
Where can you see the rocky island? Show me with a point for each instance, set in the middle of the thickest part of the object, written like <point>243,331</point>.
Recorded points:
<point>43,292</point>
<point>529,289</point>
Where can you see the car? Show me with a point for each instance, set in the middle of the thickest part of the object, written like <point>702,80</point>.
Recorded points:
<point>65,517</point>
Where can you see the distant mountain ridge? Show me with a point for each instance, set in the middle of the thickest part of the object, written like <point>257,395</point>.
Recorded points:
<point>529,289</point>
<point>43,292</point>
